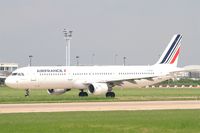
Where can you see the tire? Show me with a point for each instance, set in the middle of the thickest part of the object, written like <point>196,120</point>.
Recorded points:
<point>85,94</point>
<point>110,94</point>
<point>81,94</point>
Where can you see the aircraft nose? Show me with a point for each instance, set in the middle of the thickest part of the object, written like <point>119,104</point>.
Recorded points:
<point>10,82</point>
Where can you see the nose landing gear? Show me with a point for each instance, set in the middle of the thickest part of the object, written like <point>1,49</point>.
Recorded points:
<point>27,92</point>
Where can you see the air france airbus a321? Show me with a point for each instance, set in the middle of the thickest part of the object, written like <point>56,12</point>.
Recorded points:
<point>96,80</point>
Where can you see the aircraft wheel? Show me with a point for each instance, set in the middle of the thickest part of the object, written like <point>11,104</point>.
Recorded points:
<point>110,94</point>
<point>83,94</point>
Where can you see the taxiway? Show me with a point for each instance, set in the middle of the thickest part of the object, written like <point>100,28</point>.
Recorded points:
<point>98,106</point>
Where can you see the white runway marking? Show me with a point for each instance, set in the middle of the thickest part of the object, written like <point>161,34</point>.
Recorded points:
<point>98,106</point>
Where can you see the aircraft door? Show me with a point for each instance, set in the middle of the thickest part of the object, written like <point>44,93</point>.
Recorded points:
<point>34,81</point>
<point>69,76</point>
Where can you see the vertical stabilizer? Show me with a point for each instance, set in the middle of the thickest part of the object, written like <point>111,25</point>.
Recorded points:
<point>172,51</point>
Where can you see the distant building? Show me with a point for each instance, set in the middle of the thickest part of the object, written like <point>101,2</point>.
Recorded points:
<point>6,69</point>
<point>193,72</point>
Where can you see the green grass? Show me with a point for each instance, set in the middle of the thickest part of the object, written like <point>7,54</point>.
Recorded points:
<point>8,95</point>
<point>186,82</point>
<point>168,121</point>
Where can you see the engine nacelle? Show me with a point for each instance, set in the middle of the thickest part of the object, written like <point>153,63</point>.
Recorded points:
<point>98,88</point>
<point>57,91</point>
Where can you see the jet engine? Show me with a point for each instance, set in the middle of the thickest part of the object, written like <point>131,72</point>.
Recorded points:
<point>57,91</point>
<point>98,88</point>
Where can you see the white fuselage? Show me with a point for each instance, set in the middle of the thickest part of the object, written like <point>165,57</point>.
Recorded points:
<point>79,77</point>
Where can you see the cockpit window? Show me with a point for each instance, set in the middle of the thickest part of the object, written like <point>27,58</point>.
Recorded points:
<point>14,74</point>
<point>18,74</point>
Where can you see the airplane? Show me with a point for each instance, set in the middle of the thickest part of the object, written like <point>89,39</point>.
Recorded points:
<point>96,80</point>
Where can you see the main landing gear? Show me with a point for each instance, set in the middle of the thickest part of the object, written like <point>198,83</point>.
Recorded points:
<point>27,92</point>
<point>83,94</point>
<point>110,94</point>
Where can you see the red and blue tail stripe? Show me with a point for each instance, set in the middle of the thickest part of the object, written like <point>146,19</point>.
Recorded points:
<point>171,53</point>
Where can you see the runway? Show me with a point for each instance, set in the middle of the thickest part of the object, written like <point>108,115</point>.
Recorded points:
<point>98,106</point>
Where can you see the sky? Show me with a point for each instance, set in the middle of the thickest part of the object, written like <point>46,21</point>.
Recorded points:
<point>137,29</point>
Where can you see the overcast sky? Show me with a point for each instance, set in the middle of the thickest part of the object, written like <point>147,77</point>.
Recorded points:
<point>137,29</point>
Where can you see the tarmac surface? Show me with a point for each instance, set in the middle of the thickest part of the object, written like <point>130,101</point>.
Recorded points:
<point>98,106</point>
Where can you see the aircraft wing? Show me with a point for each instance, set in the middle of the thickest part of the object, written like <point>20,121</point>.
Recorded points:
<point>120,81</point>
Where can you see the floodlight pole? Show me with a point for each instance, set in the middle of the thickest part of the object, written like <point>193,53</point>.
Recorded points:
<point>67,37</point>
<point>77,60</point>
<point>30,60</point>
<point>124,60</point>
<point>92,59</point>
<point>115,59</point>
